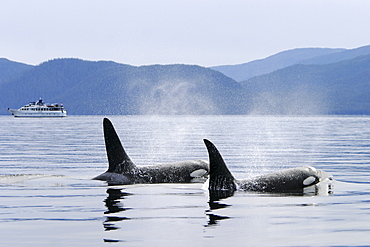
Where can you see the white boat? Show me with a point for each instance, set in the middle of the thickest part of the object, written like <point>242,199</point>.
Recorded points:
<point>39,109</point>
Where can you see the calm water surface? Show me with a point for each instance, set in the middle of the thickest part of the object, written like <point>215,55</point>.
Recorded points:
<point>48,198</point>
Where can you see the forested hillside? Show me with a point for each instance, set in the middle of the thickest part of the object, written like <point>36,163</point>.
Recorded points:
<point>87,87</point>
<point>337,84</point>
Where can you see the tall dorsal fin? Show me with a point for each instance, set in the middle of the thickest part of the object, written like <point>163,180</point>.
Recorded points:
<point>220,176</point>
<point>117,158</point>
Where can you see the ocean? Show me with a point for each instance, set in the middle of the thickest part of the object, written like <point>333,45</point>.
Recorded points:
<point>48,198</point>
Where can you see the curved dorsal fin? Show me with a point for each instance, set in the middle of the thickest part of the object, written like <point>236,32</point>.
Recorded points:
<point>220,177</point>
<point>117,158</point>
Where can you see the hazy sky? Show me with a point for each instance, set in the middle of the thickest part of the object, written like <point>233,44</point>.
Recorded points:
<point>203,32</point>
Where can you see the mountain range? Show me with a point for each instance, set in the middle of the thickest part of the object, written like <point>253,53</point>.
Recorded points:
<point>104,87</point>
<point>299,81</point>
<point>335,88</point>
<point>242,72</point>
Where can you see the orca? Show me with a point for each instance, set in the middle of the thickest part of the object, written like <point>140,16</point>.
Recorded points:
<point>122,171</point>
<point>285,181</point>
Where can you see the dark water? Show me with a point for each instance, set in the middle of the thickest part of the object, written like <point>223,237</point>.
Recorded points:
<point>48,199</point>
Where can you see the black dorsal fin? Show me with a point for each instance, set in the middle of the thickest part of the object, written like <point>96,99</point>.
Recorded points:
<point>220,176</point>
<point>117,158</point>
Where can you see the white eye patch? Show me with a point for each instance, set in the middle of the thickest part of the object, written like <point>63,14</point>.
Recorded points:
<point>309,181</point>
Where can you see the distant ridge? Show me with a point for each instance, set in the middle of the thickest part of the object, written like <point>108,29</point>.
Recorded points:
<point>314,81</point>
<point>338,56</point>
<point>11,70</point>
<point>241,72</point>
<point>105,88</point>
<point>336,88</point>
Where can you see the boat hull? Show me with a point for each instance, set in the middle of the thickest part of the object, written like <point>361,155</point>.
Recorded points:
<point>20,113</point>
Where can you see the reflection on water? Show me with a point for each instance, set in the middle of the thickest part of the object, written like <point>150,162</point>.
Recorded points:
<point>119,218</point>
<point>114,205</point>
<point>216,197</point>
<point>53,200</point>
<point>214,204</point>
<point>213,219</point>
<point>113,202</point>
